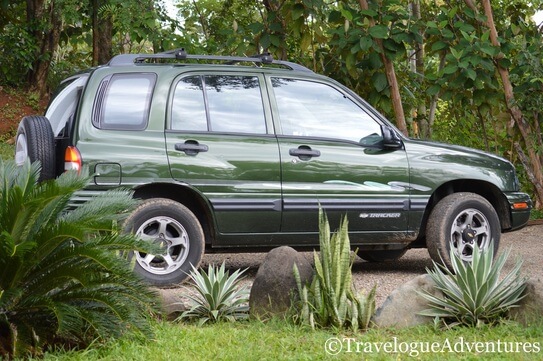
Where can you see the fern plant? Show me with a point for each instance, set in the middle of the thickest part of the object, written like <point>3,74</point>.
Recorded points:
<point>330,299</point>
<point>220,297</point>
<point>475,293</point>
<point>61,279</point>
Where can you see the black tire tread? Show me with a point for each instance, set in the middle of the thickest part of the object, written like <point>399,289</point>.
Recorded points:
<point>40,143</point>
<point>436,231</point>
<point>151,208</point>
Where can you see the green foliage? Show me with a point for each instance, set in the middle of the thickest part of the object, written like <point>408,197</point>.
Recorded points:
<point>61,278</point>
<point>475,293</point>
<point>220,296</point>
<point>6,150</point>
<point>456,73</point>
<point>18,49</point>
<point>279,340</point>
<point>331,300</point>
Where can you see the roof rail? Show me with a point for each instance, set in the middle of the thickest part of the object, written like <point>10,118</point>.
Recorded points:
<point>181,54</point>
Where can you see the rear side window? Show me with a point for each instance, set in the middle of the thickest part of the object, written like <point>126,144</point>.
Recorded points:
<point>123,101</point>
<point>218,103</point>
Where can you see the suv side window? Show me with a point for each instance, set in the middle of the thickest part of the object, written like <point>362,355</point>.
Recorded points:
<point>234,104</point>
<point>312,109</point>
<point>123,101</point>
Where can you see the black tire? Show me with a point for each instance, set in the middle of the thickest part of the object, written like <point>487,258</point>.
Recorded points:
<point>181,233</point>
<point>35,141</point>
<point>382,255</point>
<point>460,220</point>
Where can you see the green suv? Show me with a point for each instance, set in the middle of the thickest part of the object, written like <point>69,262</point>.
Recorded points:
<point>232,154</point>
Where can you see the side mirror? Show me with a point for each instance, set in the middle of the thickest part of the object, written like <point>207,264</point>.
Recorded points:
<point>390,138</point>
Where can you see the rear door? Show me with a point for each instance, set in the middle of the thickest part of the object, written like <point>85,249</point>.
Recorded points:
<point>220,141</point>
<point>332,156</point>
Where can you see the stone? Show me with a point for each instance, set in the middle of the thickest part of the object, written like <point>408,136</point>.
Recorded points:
<point>172,303</point>
<point>274,287</point>
<point>530,308</point>
<point>402,306</point>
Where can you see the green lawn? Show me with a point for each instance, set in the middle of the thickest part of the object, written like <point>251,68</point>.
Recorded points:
<point>279,340</point>
<point>7,151</point>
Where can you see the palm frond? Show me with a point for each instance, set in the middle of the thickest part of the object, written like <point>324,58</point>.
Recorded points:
<point>62,278</point>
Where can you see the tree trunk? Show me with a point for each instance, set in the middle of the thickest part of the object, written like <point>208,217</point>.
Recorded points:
<point>435,98</point>
<point>274,6</point>
<point>392,81</point>
<point>45,25</point>
<point>425,129</point>
<point>535,165</point>
<point>102,33</point>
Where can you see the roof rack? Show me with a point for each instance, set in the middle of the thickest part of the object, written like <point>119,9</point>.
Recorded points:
<point>181,54</point>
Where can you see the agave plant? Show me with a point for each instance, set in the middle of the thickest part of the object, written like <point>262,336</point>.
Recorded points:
<point>475,293</point>
<point>220,297</point>
<point>61,279</point>
<point>331,299</point>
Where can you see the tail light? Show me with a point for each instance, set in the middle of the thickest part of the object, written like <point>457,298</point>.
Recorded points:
<point>72,159</point>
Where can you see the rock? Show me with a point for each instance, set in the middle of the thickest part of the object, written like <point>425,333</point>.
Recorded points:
<point>172,303</point>
<point>531,306</point>
<point>274,286</point>
<point>401,308</point>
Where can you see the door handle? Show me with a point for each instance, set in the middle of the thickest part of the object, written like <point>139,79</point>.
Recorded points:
<point>191,147</point>
<point>304,152</point>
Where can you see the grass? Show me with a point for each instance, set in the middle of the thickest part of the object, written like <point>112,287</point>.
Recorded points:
<point>279,340</point>
<point>7,151</point>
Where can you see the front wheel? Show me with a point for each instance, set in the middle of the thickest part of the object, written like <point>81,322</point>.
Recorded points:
<point>176,230</point>
<point>461,221</point>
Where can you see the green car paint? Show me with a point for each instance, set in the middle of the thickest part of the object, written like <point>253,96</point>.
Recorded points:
<point>261,187</point>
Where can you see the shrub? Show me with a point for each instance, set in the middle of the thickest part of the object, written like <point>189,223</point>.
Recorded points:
<point>219,296</point>
<point>474,293</point>
<point>331,300</point>
<point>61,279</point>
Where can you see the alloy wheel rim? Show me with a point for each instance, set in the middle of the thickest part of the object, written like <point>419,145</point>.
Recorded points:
<point>470,228</point>
<point>171,236</point>
<point>21,150</point>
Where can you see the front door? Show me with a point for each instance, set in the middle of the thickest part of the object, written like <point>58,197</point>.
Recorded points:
<point>332,157</point>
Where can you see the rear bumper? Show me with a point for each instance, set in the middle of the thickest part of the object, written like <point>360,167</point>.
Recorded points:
<point>520,214</point>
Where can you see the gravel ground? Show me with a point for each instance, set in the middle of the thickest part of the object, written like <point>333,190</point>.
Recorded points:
<point>526,243</point>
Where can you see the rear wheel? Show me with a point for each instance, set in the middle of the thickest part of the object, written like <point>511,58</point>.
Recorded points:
<point>382,256</point>
<point>176,230</point>
<point>35,141</point>
<point>460,221</point>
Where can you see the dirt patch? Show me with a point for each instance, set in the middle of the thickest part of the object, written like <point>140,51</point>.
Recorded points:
<point>15,104</point>
<point>526,243</point>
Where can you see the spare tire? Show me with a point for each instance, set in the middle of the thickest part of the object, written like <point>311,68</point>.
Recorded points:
<point>35,141</point>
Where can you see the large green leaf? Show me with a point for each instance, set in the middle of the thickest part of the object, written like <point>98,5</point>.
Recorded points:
<point>379,31</point>
<point>64,278</point>
<point>331,300</point>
